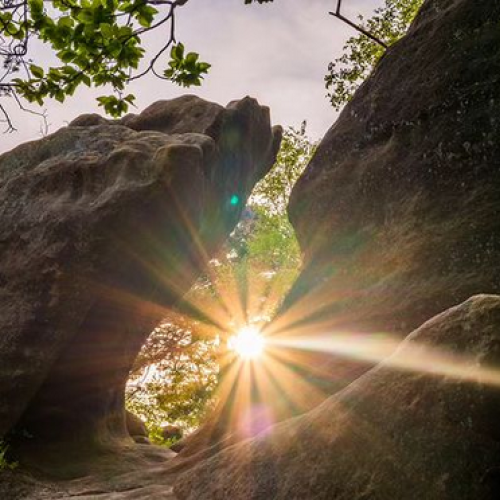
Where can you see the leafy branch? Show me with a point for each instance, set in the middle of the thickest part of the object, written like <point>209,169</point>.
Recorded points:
<point>98,42</point>
<point>362,52</point>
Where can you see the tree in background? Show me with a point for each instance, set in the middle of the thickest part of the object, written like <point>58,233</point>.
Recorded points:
<point>273,192</point>
<point>175,377</point>
<point>361,53</point>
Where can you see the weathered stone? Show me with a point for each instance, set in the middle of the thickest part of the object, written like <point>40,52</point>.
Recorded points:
<point>141,439</point>
<point>135,426</point>
<point>171,432</point>
<point>423,424</point>
<point>398,212</point>
<point>102,227</point>
<point>138,472</point>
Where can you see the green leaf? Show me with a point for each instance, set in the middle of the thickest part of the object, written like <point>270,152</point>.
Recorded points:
<point>86,80</point>
<point>66,56</point>
<point>177,52</point>
<point>66,22</point>
<point>106,30</point>
<point>36,71</point>
<point>36,6</point>
<point>86,16</point>
<point>60,96</point>
<point>115,49</point>
<point>190,61</point>
<point>204,67</point>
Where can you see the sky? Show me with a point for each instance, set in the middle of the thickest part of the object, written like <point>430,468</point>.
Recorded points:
<point>277,53</point>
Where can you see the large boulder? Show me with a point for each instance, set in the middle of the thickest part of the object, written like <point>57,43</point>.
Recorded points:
<point>104,225</point>
<point>423,424</point>
<point>398,212</point>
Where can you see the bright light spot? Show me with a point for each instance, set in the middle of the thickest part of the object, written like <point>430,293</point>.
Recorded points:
<point>248,343</point>
<point>235,199</point>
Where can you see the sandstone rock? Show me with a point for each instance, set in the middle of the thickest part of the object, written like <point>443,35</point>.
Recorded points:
<point>171,432</point>
<point>137,473</point>
<point>423,424</point>
<point>398,212</point>
<point>102,227</point>
<point>135,426</point>
<point>141,439</point>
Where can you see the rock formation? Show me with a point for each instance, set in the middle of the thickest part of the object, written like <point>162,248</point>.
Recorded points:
<point>423,424</point>
<point>398,212</point>
<point>136,428</point>
<point>398,216</point>
<point>103,225</point>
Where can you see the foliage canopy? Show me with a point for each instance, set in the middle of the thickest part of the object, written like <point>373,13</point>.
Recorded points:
<point>96,42</point>
<point>100,43</point>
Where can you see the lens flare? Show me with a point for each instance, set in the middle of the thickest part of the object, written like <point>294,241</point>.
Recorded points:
<point>248,343</point>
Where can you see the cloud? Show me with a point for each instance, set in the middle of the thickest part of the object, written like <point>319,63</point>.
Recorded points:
<point>277,53</point>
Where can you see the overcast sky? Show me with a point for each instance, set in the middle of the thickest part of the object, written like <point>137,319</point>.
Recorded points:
<point>277,53</point>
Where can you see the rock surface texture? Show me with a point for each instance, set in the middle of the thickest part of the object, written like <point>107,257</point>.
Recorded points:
<point>398,215</point>
<point>423,424</point>
<point>102,226</point>
<point>398,212</point>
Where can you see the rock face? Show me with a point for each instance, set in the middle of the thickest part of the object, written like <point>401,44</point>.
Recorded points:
<point>135,426</point>
<point>398,215</point>
<point>103,225</point>
<point>398,212</point>
<point>423,424</point>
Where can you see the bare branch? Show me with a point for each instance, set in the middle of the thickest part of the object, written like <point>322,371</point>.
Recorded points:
<point>7,120</point>
<point>44,127</point>
<point>357,27</point>
<point>171,40</point>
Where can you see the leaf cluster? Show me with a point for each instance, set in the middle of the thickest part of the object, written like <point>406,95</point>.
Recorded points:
<point>185,69</point>
<point>96,42</point>
<point>272,192</point>
<point>175,376</point>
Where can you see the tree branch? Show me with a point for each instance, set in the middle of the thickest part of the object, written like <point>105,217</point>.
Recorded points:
<point>7,120</point>
<point>357,27</point>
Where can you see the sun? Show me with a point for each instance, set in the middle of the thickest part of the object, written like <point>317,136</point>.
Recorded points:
<point>248,343</point>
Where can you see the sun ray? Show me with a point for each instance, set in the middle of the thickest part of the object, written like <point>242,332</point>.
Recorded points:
<point>407,356</point>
